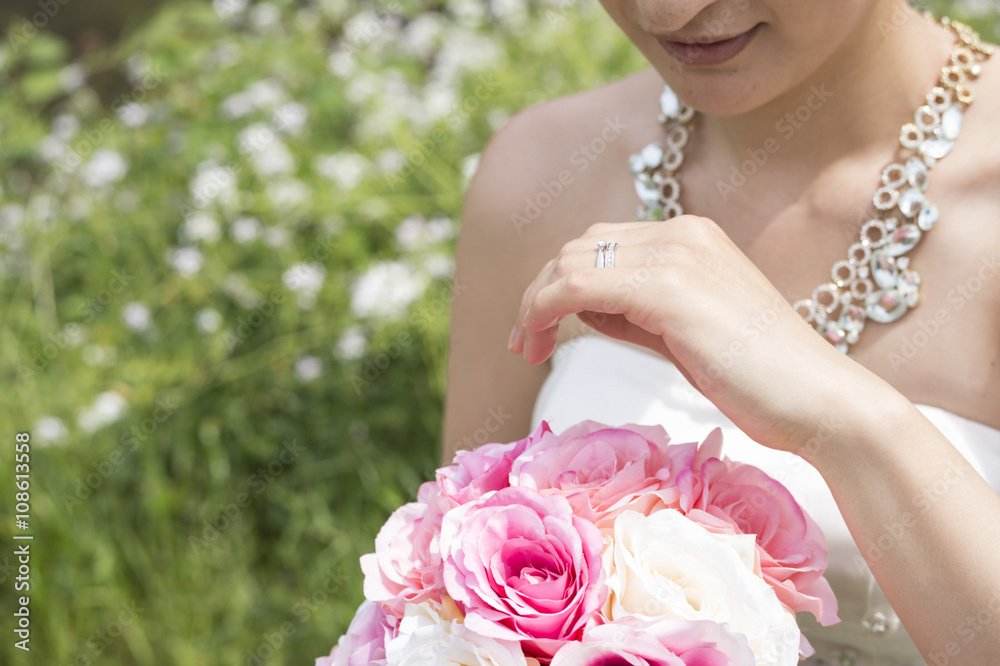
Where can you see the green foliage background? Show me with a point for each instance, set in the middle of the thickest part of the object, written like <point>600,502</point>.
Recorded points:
<point>175,531</point>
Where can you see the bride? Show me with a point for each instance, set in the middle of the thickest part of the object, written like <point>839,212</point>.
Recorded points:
<point>788,214</point>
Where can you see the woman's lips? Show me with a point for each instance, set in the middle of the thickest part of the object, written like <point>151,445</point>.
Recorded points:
<point>708,53</point>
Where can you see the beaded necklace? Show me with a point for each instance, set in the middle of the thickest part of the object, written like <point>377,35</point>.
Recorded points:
<point>876,281</point>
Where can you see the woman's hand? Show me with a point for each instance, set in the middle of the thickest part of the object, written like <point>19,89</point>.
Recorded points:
<point>683,289</point>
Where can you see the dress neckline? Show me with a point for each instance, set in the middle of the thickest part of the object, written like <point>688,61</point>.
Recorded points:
<point>636,349</point>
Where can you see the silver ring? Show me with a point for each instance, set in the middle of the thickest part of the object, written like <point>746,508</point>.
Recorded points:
<point>609,255</point>
<point>601,245</point>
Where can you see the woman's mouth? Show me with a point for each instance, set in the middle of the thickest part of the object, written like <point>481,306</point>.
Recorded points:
<point>700,53</point>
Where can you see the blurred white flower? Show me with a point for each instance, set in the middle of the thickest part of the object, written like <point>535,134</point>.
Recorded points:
<point>415,232</point>
<point>200,227</point>
<point>305,280</point>
<point>65,126</point>
<point>439,265</point>
<point>410,233</point>
<point>264,15</point>
<point>72,77</point>
<point>386,290</point>
<point>308,368</point>
<point>345,168</point>
<point>228,8</point>
<point>207,320</point>
<point>136,317</point>
<point>439,100</point>
<point>390,160</point>
<point>240,290</point>
<point>352,344</point>
<point>290,117</point>
<point>440,228</point>
<point>273,159</point>
<point>276,236</point>
<point>133,114</point>
<point>264,94</point>
<point>213,183</point>
<point>49,430</point>
<point>52,149</point>
<point>469,166</point>
<point>422,35</point>
<point>186,261</point>
<point>288,194</point>
<point>98,355</point>
<point>105,167</point>
<point>244,229</point>
<point>107,408</point>
<point>342,63</point>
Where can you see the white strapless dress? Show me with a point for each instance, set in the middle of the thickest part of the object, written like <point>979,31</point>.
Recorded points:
<point>596,377</point>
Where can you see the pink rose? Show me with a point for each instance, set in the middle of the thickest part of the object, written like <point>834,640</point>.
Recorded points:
<point>406,564</point>
<point>791,545</point>
<point>666,642</point>
<point>523,568</point>
<point>601,469</point>
<point>365,640</point>
<point>484,469</point>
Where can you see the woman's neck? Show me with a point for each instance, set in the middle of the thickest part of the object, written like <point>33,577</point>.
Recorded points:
<point>856,102</point>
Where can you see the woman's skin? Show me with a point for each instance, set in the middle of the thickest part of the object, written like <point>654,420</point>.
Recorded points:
<point>864,66</point>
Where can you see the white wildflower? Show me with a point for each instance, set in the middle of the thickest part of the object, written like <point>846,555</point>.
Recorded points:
<point>244,229</point>
<point>49,430</point>
<point>136,317</point>
<point>345,168</point>
<point>305,280</point>
<point>288,194</point>
<point>72,77</point>
<point>105,167</point>
<point>207,320</point>
<point>200,227</point>
<point>186,261</point>
<point>352,344</point>
<point>133,114</point>
<point>386,290</point>
<point>107,408</point>
<point>276,236</point>
<point>308,368</point>
<point>291,118</point>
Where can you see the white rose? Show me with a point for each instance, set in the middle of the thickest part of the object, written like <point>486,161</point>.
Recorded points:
<point>427,638</point>
<point>667,564</point>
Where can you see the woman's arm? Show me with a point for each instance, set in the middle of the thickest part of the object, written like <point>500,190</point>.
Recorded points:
<point>900,484</point>
<point>926,522</point>
<point>491,392</point>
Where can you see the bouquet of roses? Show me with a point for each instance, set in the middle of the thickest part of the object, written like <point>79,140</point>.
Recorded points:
<point>597,546</point>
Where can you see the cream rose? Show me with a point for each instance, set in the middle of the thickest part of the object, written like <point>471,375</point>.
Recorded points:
<point>427,638</point>
<point>666,564</point>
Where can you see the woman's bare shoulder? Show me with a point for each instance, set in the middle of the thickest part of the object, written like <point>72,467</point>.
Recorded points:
<point>546,140</point>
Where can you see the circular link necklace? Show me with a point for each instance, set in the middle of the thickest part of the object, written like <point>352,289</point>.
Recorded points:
<point>875,282</point>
